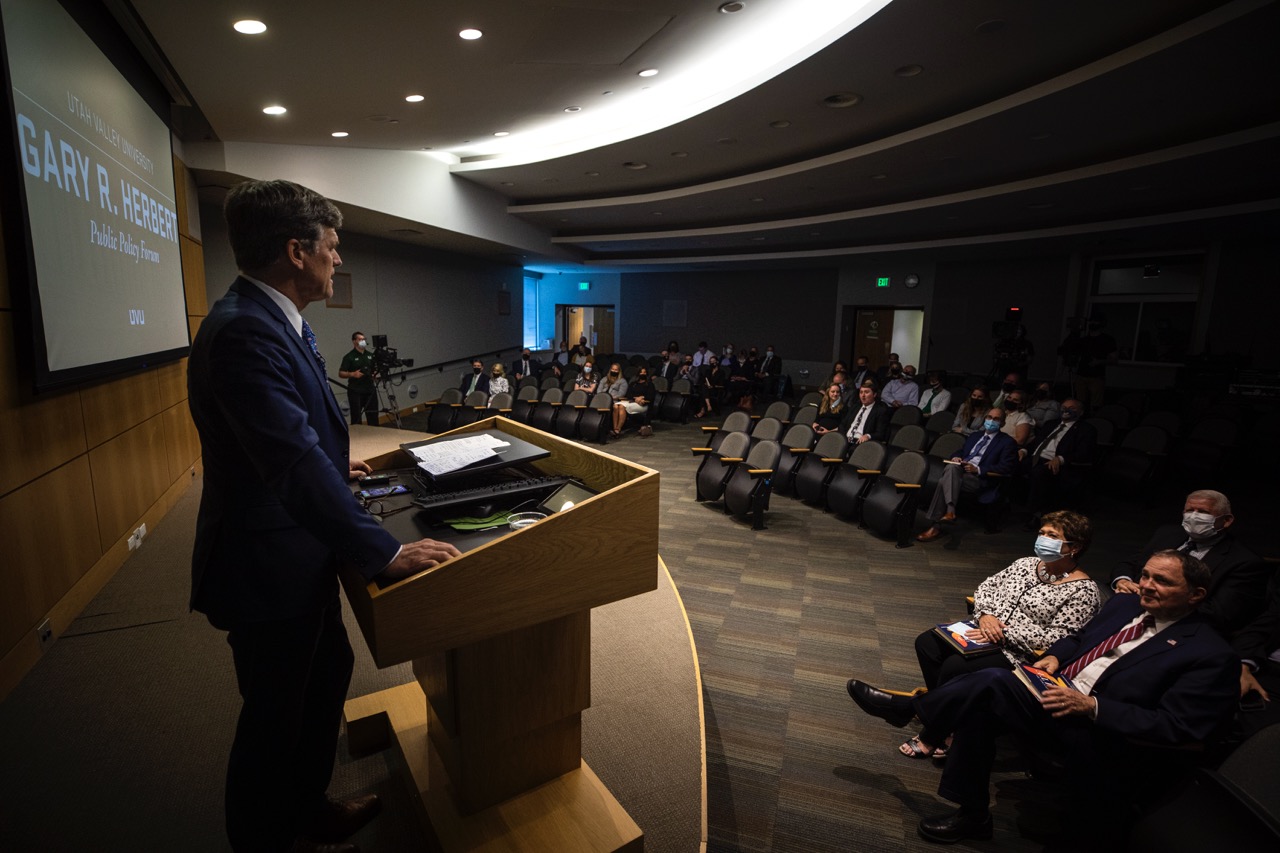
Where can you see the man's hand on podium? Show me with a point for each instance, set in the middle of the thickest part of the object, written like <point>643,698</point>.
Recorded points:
<point>419,556</point>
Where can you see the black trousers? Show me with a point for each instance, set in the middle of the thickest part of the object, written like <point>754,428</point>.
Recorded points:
<point>293,676</point>
<point>363,402</point>
<point>939,662</point>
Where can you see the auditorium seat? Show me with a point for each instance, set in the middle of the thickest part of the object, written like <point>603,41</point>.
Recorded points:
<point>440,413</point>
<point>888,507</point>
<point>796,442</point>
<point>817,466</point>
<point>715,467</point>
<point>746,494</point>
<point>853,476</point>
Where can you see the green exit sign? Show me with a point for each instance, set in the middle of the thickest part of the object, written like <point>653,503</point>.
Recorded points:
<point>882,281</point>
<point>584,285</point>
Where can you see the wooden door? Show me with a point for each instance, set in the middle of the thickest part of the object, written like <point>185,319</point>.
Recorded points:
<point>873,335</point>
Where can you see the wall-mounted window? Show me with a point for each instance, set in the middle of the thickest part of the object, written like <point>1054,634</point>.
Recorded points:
<point>1149,305</point>
<point>531,337</point>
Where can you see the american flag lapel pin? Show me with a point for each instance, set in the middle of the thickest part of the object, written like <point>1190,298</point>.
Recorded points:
<point>1172,642</point>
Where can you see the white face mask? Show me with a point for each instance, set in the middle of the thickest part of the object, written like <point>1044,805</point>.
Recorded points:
<point>1199,526</point>
<point>360,344</point>
<point>586,368</point>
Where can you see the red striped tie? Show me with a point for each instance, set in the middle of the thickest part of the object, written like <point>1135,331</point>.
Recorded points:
<point>1124,635</point>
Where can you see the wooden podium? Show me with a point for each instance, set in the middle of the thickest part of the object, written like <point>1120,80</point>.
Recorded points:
<point>500,639</point>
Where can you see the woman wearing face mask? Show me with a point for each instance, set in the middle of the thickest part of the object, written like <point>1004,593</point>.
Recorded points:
<point>1024,609</point>
<point>1018,425</point>
<point>613,384</point>
<point>635,401</point>
<point>712,388</point>
<point>1045,409</point>
<point>498,383</point>
<point>587,379</point>
<point>972,412</point>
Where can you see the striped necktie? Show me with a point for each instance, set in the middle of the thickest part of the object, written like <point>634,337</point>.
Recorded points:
<point>310,337</point>
<point>1124,635</point>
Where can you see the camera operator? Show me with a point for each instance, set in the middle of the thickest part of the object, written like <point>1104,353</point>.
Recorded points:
<point>358,369</point>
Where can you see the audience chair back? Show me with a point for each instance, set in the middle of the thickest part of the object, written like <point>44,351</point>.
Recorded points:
<point>889,506</point>
<point>818,466</point>
<point>737,421</point>
<point>473,408</point>
<point>939,423</point>
<point>911,437</point>
<point>597,419</point>
<point>796,443</point>
<point>904,416</point>
<point>848,483</point>
<point>1132,468</point>
<point>501,404</point>
<point>544,414</point>
<point>713,472</point>
<point>1167,421</point>
<point>805,415</point>
<point>746,494</point>
<point>1117,414</point>
<point>779,409</point>
<point>766,429</point>
<point>440,419</point>
<point>675,403</point>
<point>566,424</point>
<point>550,382</point>
<point>528,382</point>
<point>526,399</point>
<point>812,398</point>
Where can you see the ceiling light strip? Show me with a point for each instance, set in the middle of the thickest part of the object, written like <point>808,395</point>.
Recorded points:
<point>1171,38</point>
<point>1096,170</point>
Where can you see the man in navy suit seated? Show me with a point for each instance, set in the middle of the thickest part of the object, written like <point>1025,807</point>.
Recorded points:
<point>277,518</point>
<point>984,453</point>
<point>1148,670</point>
<point>476,380</point>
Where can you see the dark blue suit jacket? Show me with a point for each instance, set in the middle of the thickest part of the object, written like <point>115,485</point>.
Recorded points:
<point>482,384</point>
<point>1001,456</point>
<point>1176,688</point>
<point>276,514</point>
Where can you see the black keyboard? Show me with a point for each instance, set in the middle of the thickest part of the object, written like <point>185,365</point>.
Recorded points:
<point>502,490</point>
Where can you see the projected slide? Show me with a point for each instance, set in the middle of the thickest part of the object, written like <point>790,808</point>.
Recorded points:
<point>97,168</point>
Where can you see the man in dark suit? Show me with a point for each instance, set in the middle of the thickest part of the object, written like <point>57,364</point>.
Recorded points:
<point>1147,668</point>
<point>869,420</point>
<point>768,372</point>
<point>1238,587</point>
<point>861,372</point>
<point>985,457</point>
<point>1258,645</point>
<point>526,365</point>
<point>276,518</point>
<point>476,380</point>
<point>1057,464</point>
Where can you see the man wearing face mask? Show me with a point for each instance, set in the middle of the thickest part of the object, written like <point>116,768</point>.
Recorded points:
<point>357,369</point>
<point>1058,463</point>
<point>900,391</point>
<point>1237,589</point>
<point>476,380</point>
<point>1012,382</point>
<point>987,452</point>
<point>768,371</point>
<point>525,365</point>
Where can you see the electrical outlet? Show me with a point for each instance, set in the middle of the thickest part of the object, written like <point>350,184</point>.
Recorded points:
<point>142,532</point>
<point>44,633</point>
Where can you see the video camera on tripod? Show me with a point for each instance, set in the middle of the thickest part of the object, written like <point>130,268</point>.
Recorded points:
<point>385,358</point>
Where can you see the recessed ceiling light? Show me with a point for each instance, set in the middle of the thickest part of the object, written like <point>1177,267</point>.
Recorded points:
<point>730,8</point>
<point>503,133</point>
<point>781,123</point>
<point>758,199</point>
<point>841,100</point>
<point>657,213</point>
<point>648,72</point>
<point>415,99</point>
<point>470,34</point>
<point>607,92</point>
<point>592,174</point>
<point>573,109</point>
<point>249,28</point>
<point>339,134</point>
<point>508,183</point>
<point>635,165</point>
<point>726,140</point>
<point>909,71</point>
<point>274,110</point>
<point>679,153</point>
<point>879,176</point>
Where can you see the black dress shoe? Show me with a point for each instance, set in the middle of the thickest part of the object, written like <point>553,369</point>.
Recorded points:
<point>893,709</point>
<point>340,819</point>
<point>956,826</point>
<point>302,845</point>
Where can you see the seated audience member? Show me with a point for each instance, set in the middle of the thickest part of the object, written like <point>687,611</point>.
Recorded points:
<point>867,421</point>
<point>1238,578</point>
<point>936,398</point>
<point>741,378</point>
<point>973,411</point>
<point>988,452</point>
<point>587,378</point>
<point>1258,645</point>
<point>615,385</point>
<point>726,359</point>
<point>882,373</point>
<point>581,352</point>
<point>525,365</point>
<point>1147,669</point>
<point>635,401</point>
<point>900,391</point>
<point>768,372</point>
<point>561,359</point>
<point>475,380</point>
<point>1058,462</point>
<point>498,383</point>
<point>861,372</point>
<point>836,369</point>
<point>832,411</point>
<point>703,359</point>
<point>1044,409</point>
<point>1012,382</point>
<point>909,372</point>
<point>1017,423</point>
<point>712,388</point>
<point>1024,609</point>
<point>673,352</point>
<point>686,370</point>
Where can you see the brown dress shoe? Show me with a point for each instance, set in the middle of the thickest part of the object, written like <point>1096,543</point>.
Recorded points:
<point>950,516</point>
<point>929,535</point>
<point>340,819</point>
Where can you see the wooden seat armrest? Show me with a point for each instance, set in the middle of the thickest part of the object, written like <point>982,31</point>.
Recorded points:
<point>759,472</point>
<point>502,410</point>
<point>700,451</point>
<point>711,429</point>
<point>832,460</point>
<point>730,459</point>
<point>801,449</point>
<point>866,471</point>
<point>906,485</point>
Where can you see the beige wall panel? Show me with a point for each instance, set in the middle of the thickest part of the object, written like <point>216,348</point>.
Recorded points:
<point>113,407</point>
<point>181,440</point>
<point>193,275</point>
<point>37,434</point>
<point>130,472</point>
<point>50,537</point>
<point>173,382</point>
<point>193,324</point>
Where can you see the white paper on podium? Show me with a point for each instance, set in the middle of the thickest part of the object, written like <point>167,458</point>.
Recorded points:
<point>445,457</point>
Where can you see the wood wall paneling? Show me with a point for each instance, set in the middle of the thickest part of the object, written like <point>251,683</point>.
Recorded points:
<point>173,382</point>
<point>129,473</point>
<point>37,434</point>
<point>50,536</point>
<point>193,275</point>
<point>181,441</point>
<point>112,407</point>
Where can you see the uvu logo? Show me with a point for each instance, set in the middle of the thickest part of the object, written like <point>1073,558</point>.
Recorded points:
<point>137,317</point>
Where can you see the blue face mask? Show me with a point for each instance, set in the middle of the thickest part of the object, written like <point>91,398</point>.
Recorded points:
<point>1048,549</point>
<point>991,425</point>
